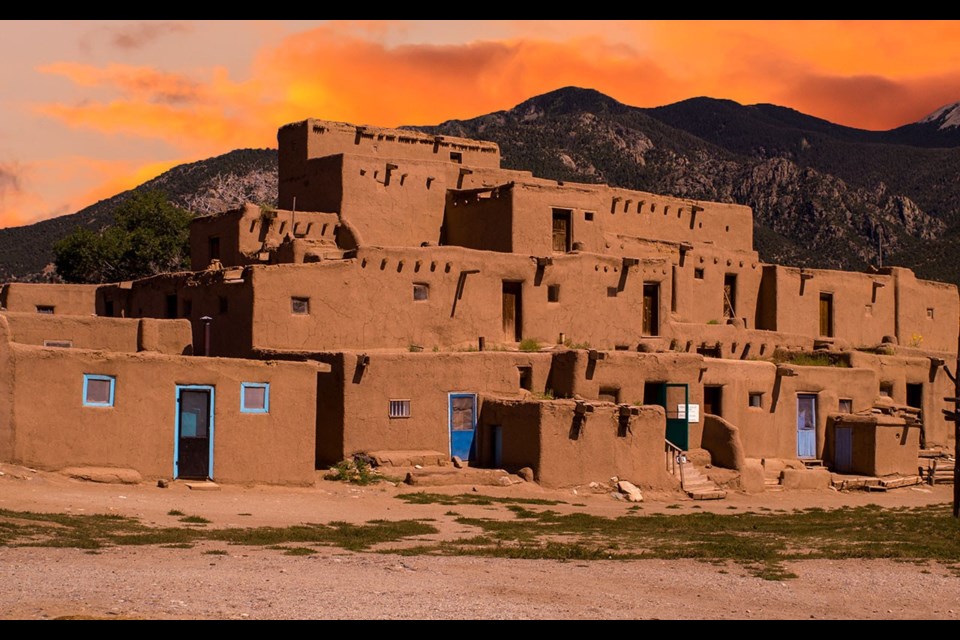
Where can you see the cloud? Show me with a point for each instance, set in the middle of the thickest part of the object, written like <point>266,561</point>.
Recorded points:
<point>141,34</point>
<point>9,178</point>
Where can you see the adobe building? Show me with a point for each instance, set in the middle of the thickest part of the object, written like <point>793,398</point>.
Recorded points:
<point>410,297</point>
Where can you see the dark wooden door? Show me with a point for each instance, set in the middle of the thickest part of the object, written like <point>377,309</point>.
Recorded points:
<point>512,310</point>
<point>713,400</point>
<point>561,230</point>
<point>826,315</point>
<point>729,296</point>
<point>193,433</point>
<point>651,309</point>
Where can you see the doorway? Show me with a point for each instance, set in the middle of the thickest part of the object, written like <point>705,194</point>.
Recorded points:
<point>843,449</point>
<point>512,312</point>
<point>826,315</point>
<point>915,395</point>
<point>561,230</point>
<point>193,445</point>
<point>713,400</point>
<point>806,425</point>
<point>675,400</point>
<point>651,309</point>
<point>729,295</point>
<point>463,424</point>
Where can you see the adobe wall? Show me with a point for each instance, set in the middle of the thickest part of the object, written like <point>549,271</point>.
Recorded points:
<point>66,299</point>
<point>732,342</point>
<point>927,312</point>
<point>738,379</point>
<point>244,232</point>
<point>139,430</point>
<point>426,379</point>
<point>617,216</point>
<point>563,451</point>
<point>830,384</point>
<point>6,391</point>
<point>368,301</point>
<point>881,445</point>
<point>627,372</point>
<point>108,334</point>
<point>699,285</point>
<point>225,296</point>
<point>479,219</point>
<point>897,372</point>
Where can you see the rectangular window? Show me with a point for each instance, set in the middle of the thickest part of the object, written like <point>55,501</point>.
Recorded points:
<point>300,306</point>
<point>930,312</point>
<point>611,292</point>
<point>886,389</point>
<point>756,399</point>
<point>421,291</point>
<point>526,378</point>
<point>98,390</point>
<point>255,397</point>
<point>845,406</point>
<point>698,274</point>
<point>456,156</point>
<point>61,344</point>
<point>588,216</point>
<point>609,394</point>
<point>45,308</point>
<point>399,409</point>
<point>553,293</point>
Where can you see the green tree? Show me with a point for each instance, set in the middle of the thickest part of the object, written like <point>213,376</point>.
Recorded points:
<point>149,236</point>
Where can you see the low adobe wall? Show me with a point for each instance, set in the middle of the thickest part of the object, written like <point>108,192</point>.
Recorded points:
<point>66,299</point>
<point>123,335</point>
<point>881,445</point>
<point>564,450</point>
<point>138,432</point>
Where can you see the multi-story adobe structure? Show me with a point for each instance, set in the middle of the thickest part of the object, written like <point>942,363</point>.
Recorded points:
<point>411,298</point>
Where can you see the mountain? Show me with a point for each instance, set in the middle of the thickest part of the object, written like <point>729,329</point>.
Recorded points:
<point>823,195</point>
<point>215,184</point>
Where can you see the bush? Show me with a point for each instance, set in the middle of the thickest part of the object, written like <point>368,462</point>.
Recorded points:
<point>529,344</point>
<point>355,471</point>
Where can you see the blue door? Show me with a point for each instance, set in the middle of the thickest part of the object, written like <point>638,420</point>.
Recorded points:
<point>843,449</point>
<point>463,424</point>
<point>193,440</point>
<point>806,425</point>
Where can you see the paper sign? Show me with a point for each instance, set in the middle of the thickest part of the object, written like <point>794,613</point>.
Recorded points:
<point>694,412</point>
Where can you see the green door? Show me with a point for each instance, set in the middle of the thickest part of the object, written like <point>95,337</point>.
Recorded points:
<point>675,400</point>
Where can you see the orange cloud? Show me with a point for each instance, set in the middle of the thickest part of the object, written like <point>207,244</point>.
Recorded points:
<point>868,74</point>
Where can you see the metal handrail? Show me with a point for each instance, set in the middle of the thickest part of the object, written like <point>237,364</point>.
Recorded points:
<point>674,459</point>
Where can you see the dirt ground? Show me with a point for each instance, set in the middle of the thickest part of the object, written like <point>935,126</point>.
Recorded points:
<point>254,582</point>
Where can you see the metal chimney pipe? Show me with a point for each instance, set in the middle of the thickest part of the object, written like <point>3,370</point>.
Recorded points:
<point>206,334</point>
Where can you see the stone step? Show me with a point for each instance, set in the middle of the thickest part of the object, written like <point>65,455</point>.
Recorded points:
<point>716,494</point>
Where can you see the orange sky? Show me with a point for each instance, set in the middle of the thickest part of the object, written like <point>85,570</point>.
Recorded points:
<point>91,108</point>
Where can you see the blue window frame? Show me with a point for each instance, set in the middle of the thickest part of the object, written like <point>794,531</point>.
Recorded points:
<point>255,397</point>
<point>98,390</point>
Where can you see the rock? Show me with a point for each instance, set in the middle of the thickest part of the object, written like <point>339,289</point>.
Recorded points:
<point>163,484</point>
<point>616,495</point>
<point>614,480</point>
<point>630,490</point>
<point>594,485</point>
<point>507,481</point>
<point>457,462</point>
<point>418,466</point>
<point>104,474</point>
<point>526,473</point>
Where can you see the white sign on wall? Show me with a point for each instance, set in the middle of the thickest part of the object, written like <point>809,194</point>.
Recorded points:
<point>694,412</point>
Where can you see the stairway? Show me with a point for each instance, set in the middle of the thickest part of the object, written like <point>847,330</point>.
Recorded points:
<point>698,486</point>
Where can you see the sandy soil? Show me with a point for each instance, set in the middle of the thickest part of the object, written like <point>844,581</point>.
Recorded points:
<point>156,582</point>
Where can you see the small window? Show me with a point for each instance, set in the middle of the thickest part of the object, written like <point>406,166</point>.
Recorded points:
<point>588,216</point>
<point>60,344</point>
<point>611,292</point>
<point>553,293</point>
<point>756,399</point>
<point>255,397</point>
<point>845,406</point>
<point>215,247</point>
<point>886,389</point>
<point>456,156</point>
<point>698,274</point>
<point>421,291</point>
<point>526,378</point>
<point>930,312</point>
<point>399,409</point>
<point>300,306</point>
<point>45,308</point>
<point>171,311</point>
<point>98,390</point>
<point>223,304</point>
<point>609,394</point>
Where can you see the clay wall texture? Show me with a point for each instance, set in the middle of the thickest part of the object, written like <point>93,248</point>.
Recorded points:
<point>66,299</point>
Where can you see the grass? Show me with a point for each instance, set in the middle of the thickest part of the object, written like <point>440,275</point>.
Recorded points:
<point>530,344</point>
<point>175,512</point>
<point>355,471</point>
<point>216,552</point>
<point>194,520</point>
<point>545,395</point>
<point>761,542</point>
<point>806,359</point>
